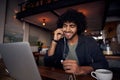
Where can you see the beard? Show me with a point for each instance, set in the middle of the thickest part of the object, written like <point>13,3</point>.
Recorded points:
<point>70,35</point>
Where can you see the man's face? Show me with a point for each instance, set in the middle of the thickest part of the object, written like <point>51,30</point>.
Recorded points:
<point>69,30</point>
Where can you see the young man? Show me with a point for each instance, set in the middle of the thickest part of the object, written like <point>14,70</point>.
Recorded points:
<point>70,49</point>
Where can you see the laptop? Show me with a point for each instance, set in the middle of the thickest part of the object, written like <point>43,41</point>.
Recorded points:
<point>20,61</point>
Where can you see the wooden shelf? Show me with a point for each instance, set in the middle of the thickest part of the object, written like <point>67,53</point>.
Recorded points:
<point>111,57</point>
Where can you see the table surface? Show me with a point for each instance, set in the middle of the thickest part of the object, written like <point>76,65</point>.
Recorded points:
<point>58,74</point>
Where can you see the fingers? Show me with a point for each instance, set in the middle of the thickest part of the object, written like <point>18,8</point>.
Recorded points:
<point>68,69</point>
<point>70,66</point>
<point>69,61</point>
<point>59,31</point>
<point>58,34</point>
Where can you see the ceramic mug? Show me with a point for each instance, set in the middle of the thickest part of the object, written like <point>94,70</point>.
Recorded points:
<point>102,74</point>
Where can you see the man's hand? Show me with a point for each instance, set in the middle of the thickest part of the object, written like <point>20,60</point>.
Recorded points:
<point>71,66</point>
<point>58,34</point>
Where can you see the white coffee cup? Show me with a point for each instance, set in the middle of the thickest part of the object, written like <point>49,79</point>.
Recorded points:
<point>102,74</point>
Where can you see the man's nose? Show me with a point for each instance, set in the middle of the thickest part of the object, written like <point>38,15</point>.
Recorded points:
<point>67,28</point>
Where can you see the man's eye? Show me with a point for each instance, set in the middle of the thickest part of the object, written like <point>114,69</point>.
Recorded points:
<point>72,26</point>
<point>64,26</point>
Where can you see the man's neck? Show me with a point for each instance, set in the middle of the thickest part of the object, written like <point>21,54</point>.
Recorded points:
<point>74,40</point>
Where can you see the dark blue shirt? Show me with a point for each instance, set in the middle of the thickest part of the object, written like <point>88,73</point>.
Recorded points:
<point>87,51</point>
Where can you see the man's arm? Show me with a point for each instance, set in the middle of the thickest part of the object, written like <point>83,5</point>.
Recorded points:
<point>84,70</point>
<point>52,48</point>
<point>58,34</point>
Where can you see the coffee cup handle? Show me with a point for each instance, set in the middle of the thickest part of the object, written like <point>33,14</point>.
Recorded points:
<point>93,74</point>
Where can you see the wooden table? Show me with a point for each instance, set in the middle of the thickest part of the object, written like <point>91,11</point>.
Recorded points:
<point>58,74</point>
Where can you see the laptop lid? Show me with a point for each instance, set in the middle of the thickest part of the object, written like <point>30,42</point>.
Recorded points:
<point>20,61</point>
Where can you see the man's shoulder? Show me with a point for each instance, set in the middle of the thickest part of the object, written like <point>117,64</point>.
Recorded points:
<point>85,37</point>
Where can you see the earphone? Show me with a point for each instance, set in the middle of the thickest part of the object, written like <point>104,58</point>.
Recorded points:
<point>64,50</point>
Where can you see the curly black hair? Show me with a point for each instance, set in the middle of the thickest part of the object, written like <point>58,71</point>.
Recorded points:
<point>74,16</point>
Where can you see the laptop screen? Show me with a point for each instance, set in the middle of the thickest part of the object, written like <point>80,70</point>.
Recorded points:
<point>20,61</point>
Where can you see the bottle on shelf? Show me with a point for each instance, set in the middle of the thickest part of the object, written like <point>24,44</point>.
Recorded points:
<point>107,50</point>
